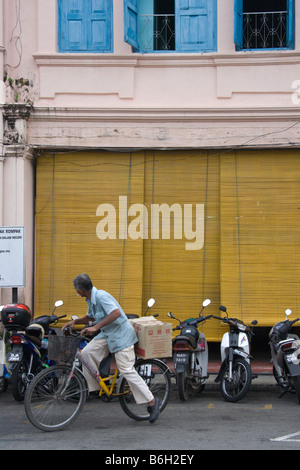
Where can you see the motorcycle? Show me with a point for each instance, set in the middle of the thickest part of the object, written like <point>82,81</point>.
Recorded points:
<point>285,353</point>
<point>235,375</point>
<point>29,344</point>
<point>4,375</point>
<point>190,355</point>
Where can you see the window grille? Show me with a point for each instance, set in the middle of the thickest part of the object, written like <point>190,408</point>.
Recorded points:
<point>157,32</point>
<point>263,30</point>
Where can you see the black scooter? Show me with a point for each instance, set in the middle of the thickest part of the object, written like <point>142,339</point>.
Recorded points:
<point>29,350</point>
<point>285,353</point>
<point>190,355</point>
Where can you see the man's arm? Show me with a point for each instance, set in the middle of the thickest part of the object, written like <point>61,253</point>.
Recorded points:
<point>106,321</point>
<point>79,321</point>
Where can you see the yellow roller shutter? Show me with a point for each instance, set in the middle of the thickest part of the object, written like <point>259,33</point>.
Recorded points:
<point>70,188</point>
<point>260,234</point>
<point>180,279</point>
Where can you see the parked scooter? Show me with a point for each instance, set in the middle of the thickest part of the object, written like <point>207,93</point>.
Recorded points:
<point>29,344</point>
<point>285,353</point>
<point>190,355</point>
<point>4,375</point>
<point>235,375</point>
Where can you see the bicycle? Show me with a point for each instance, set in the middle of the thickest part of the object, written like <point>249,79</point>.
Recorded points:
<point>56,396</point>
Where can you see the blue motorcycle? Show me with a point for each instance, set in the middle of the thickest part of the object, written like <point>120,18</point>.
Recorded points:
<point>29,344</point>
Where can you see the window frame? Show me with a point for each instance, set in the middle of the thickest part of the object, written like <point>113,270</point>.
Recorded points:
<point>238,28</point>
<point>182,8</point>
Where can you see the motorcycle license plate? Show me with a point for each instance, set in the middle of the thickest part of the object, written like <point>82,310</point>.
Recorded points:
<point>291,358</point>
<point>181,358</point>
<point>15,356</point>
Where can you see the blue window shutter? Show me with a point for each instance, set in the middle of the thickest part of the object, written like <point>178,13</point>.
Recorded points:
<point>85,25</point>
<point>238,24</point>
<point>71,25</point>
<point>99,19</point>
<point>290,38</point>
<point>131,22</point>
<point>196,25</point>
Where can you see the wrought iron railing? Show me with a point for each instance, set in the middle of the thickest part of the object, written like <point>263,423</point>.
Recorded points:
<point>262,30</point>
<point>157,32</point>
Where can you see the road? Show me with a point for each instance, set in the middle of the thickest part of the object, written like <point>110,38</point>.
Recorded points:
<point>260,421</point>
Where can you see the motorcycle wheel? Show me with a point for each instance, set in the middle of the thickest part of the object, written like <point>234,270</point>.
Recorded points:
<point>18,386</point>
<point>185,390</point>
<point>242,376</point>
<point>3,384</point>
<point>296,380</point>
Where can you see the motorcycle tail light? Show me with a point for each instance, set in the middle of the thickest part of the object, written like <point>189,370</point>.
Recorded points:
<point>15,339</point>
<point>201,346</point>
<point>286,346</point>
<point>181,346</point>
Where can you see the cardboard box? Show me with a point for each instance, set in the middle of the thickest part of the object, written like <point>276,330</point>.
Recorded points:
<point>154,337</point>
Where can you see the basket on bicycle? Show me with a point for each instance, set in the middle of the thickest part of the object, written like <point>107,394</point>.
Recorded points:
<point>62,348</point>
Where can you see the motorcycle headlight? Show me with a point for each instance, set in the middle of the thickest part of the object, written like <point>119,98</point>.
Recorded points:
<point>241,327</point>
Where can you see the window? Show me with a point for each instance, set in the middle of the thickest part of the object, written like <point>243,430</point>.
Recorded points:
<point>264,24</point>
<point>171,25</point>
<point>85,26</point>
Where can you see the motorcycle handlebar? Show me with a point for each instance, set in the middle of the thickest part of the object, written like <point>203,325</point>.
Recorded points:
<point>196,320</point>
<point>62,316</point>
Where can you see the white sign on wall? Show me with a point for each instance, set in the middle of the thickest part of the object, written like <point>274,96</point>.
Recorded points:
<point>12,257</point>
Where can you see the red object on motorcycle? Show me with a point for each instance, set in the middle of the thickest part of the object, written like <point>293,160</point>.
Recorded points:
<point>15,339</point>
<point>16,316</point>
<point>286,346</point>
<point>201,345</point>
<point>181,346</point>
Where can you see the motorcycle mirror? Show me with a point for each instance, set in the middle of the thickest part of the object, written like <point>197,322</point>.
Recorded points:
<point>206,302</point>
<point>151,302</point>
<point>254,322</point>
<point>222,308</point>
<point>58,303</point>
<point>170,315</point>
<point>288,312</point>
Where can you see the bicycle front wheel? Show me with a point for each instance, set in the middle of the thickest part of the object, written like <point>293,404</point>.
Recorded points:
<point>158,379</point>
<point>53,400</point>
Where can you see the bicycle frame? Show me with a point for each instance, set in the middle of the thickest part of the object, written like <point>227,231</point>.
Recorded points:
<point>106,389</point>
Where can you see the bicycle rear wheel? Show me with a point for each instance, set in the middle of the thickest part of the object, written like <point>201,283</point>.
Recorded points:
<point>157,376</point>
<point>52,401</point>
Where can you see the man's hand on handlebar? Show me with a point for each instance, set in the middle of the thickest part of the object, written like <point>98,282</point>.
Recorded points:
<point>69,324</point>
<point>89,331</point>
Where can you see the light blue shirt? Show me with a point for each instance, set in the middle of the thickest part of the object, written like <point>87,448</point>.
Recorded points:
<point>119,334</point>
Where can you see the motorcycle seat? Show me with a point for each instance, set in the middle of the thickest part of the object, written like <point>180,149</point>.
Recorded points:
<point>189,339</point>
<point>34,340</point>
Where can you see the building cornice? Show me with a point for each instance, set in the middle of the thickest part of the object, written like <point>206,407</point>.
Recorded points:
<point>167,60</point>
<point>167,115</point>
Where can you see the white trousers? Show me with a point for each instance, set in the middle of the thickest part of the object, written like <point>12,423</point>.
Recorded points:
<point>97,350</point>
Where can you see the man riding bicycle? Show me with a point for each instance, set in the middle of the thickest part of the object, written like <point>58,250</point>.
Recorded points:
<point>117,336</point>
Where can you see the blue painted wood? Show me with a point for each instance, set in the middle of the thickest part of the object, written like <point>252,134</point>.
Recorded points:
<point>291,24</point>
<point>196,25</point>
<point>85,25</point>
<point>238,24</point>
<point>131,33</point>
